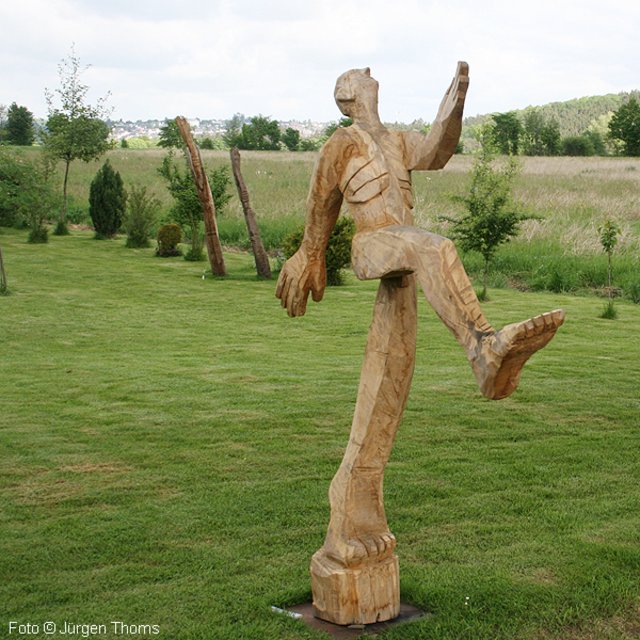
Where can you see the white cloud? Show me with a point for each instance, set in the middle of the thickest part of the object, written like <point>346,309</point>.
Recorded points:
<point>281,57</point>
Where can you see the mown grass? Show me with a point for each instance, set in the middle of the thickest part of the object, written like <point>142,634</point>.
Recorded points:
<point>167,444</point>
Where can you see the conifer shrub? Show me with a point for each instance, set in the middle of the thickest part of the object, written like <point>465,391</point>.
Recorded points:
<point>338,254</point>
<point>107,202</point>
<point>169,236</point>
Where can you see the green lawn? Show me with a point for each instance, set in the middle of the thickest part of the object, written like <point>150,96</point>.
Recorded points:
<point>167,445</point>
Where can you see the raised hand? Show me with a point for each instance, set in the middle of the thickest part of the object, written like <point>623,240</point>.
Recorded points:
<point>456,93</point>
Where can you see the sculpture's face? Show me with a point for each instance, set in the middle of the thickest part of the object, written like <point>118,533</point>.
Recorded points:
<point>353,86</point>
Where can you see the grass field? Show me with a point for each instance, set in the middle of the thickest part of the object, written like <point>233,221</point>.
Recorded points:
<point>560,252</point>
<point>167,444</point>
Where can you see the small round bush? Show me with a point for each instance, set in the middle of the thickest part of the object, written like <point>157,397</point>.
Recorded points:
<point>169,236</point>
<point>39,235</point>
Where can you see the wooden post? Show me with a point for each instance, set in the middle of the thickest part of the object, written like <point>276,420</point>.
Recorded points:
<point>214,248</point>
<point>260,255</point>
<point>3,275</point>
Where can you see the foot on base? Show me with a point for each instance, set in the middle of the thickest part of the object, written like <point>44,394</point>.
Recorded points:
<point>356,551</point>
<point>501,355</point>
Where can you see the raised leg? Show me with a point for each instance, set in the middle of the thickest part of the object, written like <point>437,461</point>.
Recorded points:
<point>355,573</point>
<point>496,357</point>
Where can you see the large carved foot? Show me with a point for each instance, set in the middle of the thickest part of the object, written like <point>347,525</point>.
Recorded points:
<point>501,356</point>
<point>363,548</point>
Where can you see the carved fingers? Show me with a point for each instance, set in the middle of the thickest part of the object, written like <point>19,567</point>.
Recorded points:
<point>293,295</point>
<point>456,93</point>
<point>297,278</point>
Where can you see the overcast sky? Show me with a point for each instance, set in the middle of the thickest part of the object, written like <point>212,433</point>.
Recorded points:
<point>280,58</point>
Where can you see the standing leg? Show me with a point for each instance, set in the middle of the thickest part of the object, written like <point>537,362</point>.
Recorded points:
<point>355,573</point>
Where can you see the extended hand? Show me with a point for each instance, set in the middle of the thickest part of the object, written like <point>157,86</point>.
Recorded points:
<point>300,275</point>
<point>455,95</point>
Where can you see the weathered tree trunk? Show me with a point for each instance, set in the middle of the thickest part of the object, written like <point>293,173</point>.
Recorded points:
<point>260,255</point>
<point>214,248</point>
<point>3,276</point>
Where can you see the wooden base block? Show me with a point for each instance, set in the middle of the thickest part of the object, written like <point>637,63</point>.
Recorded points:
<point>363,595</point>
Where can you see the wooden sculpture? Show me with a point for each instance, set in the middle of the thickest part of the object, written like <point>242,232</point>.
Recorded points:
<point>354,575</point>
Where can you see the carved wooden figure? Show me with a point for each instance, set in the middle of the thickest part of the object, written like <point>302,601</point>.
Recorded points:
<point>354,574</point>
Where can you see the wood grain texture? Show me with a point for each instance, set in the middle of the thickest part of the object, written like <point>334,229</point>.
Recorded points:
<point>354,575</point>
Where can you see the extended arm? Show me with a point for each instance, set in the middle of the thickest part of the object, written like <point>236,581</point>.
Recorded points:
<point>305,271</point>
<point>434,150</point>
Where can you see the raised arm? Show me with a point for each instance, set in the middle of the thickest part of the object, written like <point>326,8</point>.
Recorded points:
<point>434,150</point>
<point>305,271</point>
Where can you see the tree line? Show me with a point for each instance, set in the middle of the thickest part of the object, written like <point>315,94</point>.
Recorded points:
<point>552,130</point>
<point>258,133</point>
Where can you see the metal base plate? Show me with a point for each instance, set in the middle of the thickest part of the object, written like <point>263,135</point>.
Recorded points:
<point>407,613</point>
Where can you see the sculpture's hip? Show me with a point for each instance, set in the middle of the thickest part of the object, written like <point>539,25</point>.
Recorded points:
<point>388,252</point>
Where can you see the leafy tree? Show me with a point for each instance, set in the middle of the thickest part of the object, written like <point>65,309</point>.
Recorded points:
<point>506,132</point>
<point>142,212</point>
<point>219,182</point>
<point>491,218</point>
<point>291,139</point>
<point>541,135</point>
<point>551,138</point>
<point>107,202</point>
<point>609,233</point>
<point>262,134</point>
<point>310,144</point>
<point>187,209</point>
<point>19,127</point>
<point>625,126</point>
<point>26,194</point>
<point>577,146</point>
<point>233,131</point>
<point>597,141</point>
<point>215,143</point>
<point>3,122</point>
<point>329,129</point>
<point>170,135</point>
<point>75,129</point>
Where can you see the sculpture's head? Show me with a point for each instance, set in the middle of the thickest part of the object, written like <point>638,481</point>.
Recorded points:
<point>353,88</point>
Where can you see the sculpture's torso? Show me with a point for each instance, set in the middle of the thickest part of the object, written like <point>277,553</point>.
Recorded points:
<point>374,179</point>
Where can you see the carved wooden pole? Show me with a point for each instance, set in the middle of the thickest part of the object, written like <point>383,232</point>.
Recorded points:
<point>214,248</point>
<point>260,255</point>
